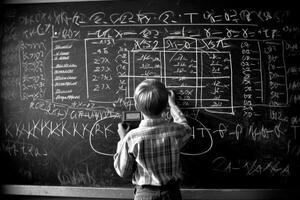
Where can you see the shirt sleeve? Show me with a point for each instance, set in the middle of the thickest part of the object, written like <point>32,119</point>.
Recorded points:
<point>178,117</point>
<point>123,160</point>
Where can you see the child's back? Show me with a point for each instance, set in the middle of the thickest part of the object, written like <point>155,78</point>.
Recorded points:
<point>151,152</point>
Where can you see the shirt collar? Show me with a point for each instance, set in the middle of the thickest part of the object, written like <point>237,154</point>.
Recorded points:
<point>152,122</point>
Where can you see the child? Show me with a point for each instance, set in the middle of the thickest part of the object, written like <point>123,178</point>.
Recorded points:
<point>151,152</point>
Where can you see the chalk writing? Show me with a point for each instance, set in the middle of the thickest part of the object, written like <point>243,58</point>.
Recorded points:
<point>24,149</point>
<point>251,168</point>
<point>76,177</point>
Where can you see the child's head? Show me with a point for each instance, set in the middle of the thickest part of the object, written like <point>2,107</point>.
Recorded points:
<point>151,97</point>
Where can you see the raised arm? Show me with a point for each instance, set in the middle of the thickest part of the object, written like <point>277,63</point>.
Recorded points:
<point>178,117</point>
<point>176,113</point>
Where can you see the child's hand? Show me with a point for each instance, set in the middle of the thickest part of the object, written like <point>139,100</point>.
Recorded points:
<point>171,98</point>
<point>121,131</point>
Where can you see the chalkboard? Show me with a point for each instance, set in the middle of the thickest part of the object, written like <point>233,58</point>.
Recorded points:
<point>68,70</point>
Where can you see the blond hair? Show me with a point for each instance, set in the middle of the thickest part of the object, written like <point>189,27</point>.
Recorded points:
<point>151,97</point>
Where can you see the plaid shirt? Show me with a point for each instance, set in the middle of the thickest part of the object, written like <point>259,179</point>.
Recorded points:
<point>151,152</point>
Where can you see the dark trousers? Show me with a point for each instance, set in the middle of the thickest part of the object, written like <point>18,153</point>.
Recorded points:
<point>148,192</point>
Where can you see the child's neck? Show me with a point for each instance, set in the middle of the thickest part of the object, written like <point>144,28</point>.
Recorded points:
<point>151,117</point>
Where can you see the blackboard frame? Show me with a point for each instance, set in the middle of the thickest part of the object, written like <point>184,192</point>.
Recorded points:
<point>61,192</point>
